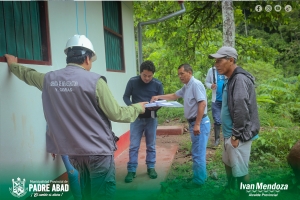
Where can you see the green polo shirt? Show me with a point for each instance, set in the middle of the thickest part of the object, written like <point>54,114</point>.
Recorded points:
<point>107,102</point>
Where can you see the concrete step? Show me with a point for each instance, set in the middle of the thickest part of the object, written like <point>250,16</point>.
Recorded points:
<point>169,130</point>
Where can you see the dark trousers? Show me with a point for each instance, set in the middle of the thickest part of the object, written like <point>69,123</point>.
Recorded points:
<point>97,176</point>
<point>216,112</point>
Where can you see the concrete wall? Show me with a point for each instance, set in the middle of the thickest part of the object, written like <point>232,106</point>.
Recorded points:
<point>22,124</point>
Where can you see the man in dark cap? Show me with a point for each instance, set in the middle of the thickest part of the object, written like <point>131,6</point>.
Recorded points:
<point>240,123</point>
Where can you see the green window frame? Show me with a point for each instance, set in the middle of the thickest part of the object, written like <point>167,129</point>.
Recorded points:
<point>113,36</point>
<point>24,31</point>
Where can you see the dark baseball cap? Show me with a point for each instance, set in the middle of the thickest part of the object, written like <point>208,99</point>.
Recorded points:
<point>223,52</point>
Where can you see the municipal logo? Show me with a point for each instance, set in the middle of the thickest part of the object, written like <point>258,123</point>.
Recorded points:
<point>18,189</point>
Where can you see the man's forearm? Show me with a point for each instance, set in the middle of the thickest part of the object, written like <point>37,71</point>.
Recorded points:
<point>168,96</point>
<point>127,100</point>
<point>200,113</point>
<point>111,108</point>
<point>28,75</point>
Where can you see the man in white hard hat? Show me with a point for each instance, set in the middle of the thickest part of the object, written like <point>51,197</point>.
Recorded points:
<point>78,107</point>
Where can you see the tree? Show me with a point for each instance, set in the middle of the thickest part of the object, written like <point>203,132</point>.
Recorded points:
<point>191,37</point>
<point>228,23</point>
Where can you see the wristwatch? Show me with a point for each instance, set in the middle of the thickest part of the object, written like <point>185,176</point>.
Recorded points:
<point>233,138</point>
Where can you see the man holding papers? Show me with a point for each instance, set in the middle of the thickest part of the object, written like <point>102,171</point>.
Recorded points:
<point>195,110</point>
<point>139,88</point>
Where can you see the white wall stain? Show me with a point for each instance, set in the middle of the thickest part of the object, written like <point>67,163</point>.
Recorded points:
<point>23,124</point>
<point>14,122</point>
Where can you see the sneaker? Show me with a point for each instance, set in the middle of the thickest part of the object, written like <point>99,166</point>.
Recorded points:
<point>129,177</point>
<point>152,173</point>
<point>191,185</point>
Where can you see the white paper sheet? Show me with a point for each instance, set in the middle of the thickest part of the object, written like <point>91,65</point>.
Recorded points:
<point>163,103</point>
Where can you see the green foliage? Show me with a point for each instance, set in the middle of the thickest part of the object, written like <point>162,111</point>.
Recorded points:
<point>268,47</point>
<point>252,49</point>
<point>280,96</point>
<point>181,39</point>
<point>214,161</point>
<point>289,59</point>
<point>261,70</point>
<point>245,13</point>
<point>166,113</point>
<point>191,37</point>
<point>271,119</point>
<point>274,144</point>
<point>278,30</point>
<point>294,109</point>
<point>186,146</point>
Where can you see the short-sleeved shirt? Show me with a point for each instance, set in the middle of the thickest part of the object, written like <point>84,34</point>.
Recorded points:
<point>192,93</point>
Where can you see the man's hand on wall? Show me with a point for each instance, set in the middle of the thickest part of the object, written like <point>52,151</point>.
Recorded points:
<point>10,59</point>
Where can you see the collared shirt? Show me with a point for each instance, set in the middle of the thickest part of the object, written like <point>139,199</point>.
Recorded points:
<point>107,102</point>
<point>192,93</point>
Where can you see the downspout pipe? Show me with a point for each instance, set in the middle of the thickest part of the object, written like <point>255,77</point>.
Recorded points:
<point>155,21</point>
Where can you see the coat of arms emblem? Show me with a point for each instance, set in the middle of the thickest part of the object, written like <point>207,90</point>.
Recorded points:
<point>18,189</point>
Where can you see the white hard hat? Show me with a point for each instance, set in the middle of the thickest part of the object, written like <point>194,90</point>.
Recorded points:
<point>81,41</point>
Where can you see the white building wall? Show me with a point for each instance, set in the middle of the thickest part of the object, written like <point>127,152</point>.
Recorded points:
<point>22,124</point>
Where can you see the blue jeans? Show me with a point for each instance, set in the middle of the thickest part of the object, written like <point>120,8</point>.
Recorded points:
<point>137,128</point>
<point>216,112</point>
<point>199,143</point>
<point>73,178</point>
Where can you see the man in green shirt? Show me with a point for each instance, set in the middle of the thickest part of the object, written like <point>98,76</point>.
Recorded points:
<point>78,107</point>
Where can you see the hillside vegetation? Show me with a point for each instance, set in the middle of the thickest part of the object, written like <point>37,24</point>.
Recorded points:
<point>269,48</point>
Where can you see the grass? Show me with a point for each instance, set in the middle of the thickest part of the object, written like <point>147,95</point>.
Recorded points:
<point>213,189</point>
<point>166,113</point>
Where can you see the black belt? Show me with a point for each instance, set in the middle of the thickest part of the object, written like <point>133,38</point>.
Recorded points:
<point>194,119</point>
